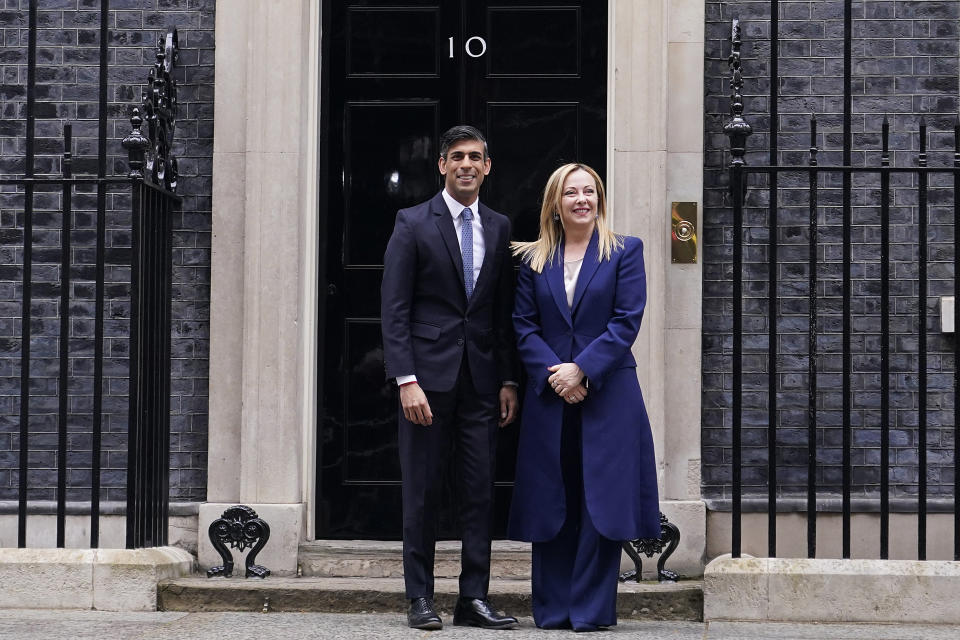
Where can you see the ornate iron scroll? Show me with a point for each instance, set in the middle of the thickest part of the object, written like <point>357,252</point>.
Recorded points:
<point>240,527</point>
<point>665,545</point>
<point>737,129</point>
<point>151,156</point>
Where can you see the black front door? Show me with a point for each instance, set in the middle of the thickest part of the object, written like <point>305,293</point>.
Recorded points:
<point>395,76</point>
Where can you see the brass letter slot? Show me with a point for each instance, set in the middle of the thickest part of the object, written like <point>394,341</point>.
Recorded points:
<point>683,232</point>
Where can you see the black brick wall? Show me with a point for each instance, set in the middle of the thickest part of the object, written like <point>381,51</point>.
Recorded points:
<point>67,91</point>
<point>904,65</point>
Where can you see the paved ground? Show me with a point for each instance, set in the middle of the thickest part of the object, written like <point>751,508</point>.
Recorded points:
<point>53,625</point>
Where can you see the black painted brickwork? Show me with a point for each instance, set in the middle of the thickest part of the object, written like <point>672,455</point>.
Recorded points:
<point>904,64</point>
<point>67,90</point>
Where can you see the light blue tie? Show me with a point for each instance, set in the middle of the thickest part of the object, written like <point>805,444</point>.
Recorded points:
<point>466,247</point>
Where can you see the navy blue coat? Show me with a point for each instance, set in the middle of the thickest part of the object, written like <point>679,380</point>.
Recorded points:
<point>428,324</point>
<point>619,467</point>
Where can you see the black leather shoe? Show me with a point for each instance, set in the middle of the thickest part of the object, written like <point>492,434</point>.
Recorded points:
<point>474,612</point>
<point>421,615</point>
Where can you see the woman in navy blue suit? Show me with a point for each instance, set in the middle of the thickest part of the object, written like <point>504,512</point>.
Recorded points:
<point>586,473</point>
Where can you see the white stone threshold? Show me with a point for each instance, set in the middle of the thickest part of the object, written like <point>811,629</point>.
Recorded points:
<point>102,579</point>
<point>831,590</point>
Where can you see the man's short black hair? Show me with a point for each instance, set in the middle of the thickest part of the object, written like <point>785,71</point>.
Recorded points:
<point>462,132</point>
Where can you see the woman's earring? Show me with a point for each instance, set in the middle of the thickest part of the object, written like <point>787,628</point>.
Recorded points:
<point>556,217</point>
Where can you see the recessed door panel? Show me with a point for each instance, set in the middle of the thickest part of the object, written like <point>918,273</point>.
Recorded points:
<point>533,41</point>
<point>392,41</point>
<point>369,451</point>
<point>385,168</point>
<point>522,168</point>
<point>360,293</point>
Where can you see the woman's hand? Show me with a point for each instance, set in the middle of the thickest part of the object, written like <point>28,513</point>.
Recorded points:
<point>577,394</point>
<point>566,376</point>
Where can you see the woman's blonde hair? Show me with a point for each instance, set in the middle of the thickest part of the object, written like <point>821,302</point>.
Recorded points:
<point>543,250</point>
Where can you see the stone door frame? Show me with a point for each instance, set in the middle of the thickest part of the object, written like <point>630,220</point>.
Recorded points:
<point>265,251</point>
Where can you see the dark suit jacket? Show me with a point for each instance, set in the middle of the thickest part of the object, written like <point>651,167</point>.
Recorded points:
<point>619,468</point>
<point>428,324</point>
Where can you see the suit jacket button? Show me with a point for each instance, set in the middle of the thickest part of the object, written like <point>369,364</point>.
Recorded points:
<point>459,342</point>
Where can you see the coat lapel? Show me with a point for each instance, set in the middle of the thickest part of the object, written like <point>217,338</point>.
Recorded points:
<point>553,271</point>
<point>489,252</point>
<point>591,262</point>
<point>449,234</point>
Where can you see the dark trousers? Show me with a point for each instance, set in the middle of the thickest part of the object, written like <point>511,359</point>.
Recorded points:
<point>574,577</point>
<point>464,433</point>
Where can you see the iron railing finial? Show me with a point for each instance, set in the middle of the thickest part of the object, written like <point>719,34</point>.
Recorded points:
<point>737,129</point>
<point>158,110</point>
<point>136,145</point>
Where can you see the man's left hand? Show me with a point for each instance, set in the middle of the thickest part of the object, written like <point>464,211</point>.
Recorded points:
<point>508,404</point>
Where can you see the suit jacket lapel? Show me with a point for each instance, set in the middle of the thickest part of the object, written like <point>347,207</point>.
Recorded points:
<point>489,252</point>
<point>591,262</point>
<point>449,235</point>
<point>553,271</point>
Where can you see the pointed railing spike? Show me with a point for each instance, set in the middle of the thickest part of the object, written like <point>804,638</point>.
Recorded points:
<point>923,142</point>
<point>885,141</point>
<point>813,140</point>
<point>956,141</point>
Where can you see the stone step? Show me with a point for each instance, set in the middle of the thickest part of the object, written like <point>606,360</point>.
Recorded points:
<point>384,559</point>
<point>644,600</point>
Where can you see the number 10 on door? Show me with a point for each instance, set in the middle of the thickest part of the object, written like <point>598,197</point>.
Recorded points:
<point>470,46</point>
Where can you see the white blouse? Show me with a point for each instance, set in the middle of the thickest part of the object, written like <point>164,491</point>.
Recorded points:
<point>571,271</point>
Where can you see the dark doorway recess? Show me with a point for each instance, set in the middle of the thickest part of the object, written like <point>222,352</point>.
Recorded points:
<point>394,77</point>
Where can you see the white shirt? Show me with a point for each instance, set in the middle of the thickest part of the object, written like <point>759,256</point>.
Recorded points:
<point>456,210</point>
<point>571,271</point>
<point>479,248</point>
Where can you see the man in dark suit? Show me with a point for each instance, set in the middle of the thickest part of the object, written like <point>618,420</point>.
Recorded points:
<point>447,298</point>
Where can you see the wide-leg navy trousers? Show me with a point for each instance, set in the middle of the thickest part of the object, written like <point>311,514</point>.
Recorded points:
<point>574,576</point>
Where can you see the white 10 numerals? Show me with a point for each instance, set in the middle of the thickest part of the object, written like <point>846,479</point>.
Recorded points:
<point>470,45</point>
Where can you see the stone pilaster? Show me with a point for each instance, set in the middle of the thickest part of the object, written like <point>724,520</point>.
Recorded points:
<point>261,422</point>
<point>656,141</point>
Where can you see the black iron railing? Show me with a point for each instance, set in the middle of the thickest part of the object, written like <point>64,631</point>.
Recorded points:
<point>151,182</point>
<point>770,178</point>
<point>153,171</point>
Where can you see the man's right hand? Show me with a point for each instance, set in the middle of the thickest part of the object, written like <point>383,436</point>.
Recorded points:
<point>416,409</point>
